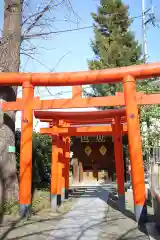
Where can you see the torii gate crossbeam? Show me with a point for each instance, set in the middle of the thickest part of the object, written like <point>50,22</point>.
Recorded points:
<point>126,75</point>
<point>61,128</point>
<point>81,78</point>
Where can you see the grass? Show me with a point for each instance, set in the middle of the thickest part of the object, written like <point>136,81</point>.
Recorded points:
<point>41,200</point>
<point>39,223</point>
<point>40,204</point>
<point>9,208</point>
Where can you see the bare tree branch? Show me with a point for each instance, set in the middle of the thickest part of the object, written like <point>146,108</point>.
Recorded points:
<point>37,35</point>
<point>20,19</point>
<point>32,49</point>
<point>40,14</point>
<point>35,59</point>
<point>53,69</point>
<point>40,62</point>
<point>44,18</point>
<point>70,7</point>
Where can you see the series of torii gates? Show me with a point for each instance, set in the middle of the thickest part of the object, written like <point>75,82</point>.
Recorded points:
<point>63,125</point>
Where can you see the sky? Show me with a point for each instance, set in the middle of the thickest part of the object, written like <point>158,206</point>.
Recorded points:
<point>69,51</point>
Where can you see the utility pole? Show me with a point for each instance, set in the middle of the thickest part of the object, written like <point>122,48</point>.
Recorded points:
<point>144,32</point>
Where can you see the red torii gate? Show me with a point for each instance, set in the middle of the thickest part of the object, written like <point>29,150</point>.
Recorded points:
<point>81,122</point>
<point>126,75</point>
<point>62,128</point>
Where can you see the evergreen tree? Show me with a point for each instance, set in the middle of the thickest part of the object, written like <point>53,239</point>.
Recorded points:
<point>114,44</point>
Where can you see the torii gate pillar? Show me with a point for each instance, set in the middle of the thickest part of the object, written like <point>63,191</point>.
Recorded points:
<point>119,162</point>
<point>63,164</point>
<point>25,193</point>
<point>54,172</point>
<point>67,165</point>
<point>135,149</point>
<point>59,170</point>
<point>60,180</point>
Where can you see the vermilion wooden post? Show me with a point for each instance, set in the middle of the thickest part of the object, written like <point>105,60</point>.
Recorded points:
<point>67,166</point>
<point>54,172</point>
<point>135,149</point>
<point>76,92</point>
<point>80,171</point>
<point>60,170</point>
<point>26,150</point>
<point>118,152</point>
<point>63,162</point>
<point>75,171</point>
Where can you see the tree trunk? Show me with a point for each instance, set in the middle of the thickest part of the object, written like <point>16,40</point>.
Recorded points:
<point>9,62</point>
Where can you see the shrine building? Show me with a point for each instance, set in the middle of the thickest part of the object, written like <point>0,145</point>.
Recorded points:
<point>93,158</point>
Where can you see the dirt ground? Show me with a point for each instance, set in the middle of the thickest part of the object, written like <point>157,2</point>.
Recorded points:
<point>44,221</point>
<point>38,225</point>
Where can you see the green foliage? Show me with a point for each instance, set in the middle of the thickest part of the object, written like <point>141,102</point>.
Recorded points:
<point>42,150</point>
<point>41,156</point>
<point>9,208</point>
<point>150,115</point>
<point>17,143</point>
<point>40,202</point>
<point>114,45</point>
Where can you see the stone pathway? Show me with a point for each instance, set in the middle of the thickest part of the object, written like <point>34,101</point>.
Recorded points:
<point>152,231</point>
<point>92,218</point>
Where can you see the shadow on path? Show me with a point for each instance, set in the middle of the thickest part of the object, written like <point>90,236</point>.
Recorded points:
<point>107,193</point>
<point>95,215</point>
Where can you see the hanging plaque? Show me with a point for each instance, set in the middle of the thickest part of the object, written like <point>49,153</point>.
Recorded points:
<point>103,150</point>
<point>88,150</point>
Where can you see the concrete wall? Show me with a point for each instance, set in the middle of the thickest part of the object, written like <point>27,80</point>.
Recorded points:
<point>155,191</point>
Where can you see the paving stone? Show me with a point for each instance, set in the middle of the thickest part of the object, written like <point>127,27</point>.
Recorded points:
<point>94,216</point>
<point>96,219</point>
